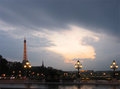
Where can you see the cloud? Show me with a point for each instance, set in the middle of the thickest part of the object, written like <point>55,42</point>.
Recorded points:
<point>45,25</point>
<point>95,15</point>
<point>6,27</point>
<point>17,32</point>
<point>70,43</point>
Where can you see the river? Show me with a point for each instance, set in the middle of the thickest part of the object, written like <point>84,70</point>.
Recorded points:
<point>57,86</point>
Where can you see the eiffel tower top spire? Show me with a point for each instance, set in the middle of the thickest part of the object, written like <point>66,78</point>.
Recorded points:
<point>25,50</point>
<point>24,40</point>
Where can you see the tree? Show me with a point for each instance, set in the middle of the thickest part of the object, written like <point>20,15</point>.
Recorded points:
<point>15,68</point>
<point>3,66</point>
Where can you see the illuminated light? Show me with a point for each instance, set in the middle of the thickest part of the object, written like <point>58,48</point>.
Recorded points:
<point>29,66</point>
<point>80,66</point>
<point>111,66</point>
<point>42,74</point>
<point>78,62</point>
<point>75,66</point>
<point>27,63</point>
<point>82,78</point>
<point>116,66</point>
<point>19,75</point>
<point>33,72</point>
<point>87,78</point>
<point>13,71</point>
<point>108,78</point>
<point>104,73</point>
<point>38,74</point>
<point>3,75</point>
<point>91,73</point>
<point>65,74</point>
<point>114,63</point>
<point>25,66</point>
<point>82,70</point>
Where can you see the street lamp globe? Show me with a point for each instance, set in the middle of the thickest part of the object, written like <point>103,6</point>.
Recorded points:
<point>25,66</point>
<point>27,63</point>
<point>29,66</point>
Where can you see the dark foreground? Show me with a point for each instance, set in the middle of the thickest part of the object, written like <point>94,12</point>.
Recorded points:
<point>34,84</point>
<point>57,86</point>
<point>81,82</point>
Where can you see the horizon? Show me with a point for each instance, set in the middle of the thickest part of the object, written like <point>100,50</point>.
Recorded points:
<point>60,33</point>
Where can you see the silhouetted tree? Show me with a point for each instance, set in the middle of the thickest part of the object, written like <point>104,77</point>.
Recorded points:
<point>15,68</point>
<point>3,65</point>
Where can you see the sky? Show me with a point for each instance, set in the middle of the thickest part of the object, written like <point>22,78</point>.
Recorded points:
<point>60,32</point>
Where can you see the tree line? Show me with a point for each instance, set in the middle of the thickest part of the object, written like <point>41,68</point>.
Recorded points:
<point>36,72</point>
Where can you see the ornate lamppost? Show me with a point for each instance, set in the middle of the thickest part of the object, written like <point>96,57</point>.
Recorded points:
<point>78,66</point>
<point>114,66</point>
<point>27,66</point>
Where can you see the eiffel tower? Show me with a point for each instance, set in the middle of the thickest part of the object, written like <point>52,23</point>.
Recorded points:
<point>25,61</point>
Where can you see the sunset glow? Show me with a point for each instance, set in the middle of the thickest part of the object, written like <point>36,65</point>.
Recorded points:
<point>71,43</point>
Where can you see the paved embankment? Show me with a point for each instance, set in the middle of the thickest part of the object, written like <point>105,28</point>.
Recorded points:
<point>89,82</point>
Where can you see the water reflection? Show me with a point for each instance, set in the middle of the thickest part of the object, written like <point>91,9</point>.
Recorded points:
<point>77,87</point>
<point>28,86</point>
<point>88,87</point>
<point>115,87</point>
<point>55,86</point>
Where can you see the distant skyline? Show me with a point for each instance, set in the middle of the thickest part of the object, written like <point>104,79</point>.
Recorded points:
<point>61,31</point>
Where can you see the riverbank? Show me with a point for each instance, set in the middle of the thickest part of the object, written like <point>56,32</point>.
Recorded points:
<point>88,82</point>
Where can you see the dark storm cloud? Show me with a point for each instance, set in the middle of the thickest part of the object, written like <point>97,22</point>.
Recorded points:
<point>97,15</point>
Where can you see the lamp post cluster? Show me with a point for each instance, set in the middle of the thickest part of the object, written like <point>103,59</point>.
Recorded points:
<point>78,66</point>
<point>27,66</point>
<point>114,66</point>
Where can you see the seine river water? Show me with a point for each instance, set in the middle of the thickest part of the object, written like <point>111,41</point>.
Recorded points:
<point>37,86</point>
